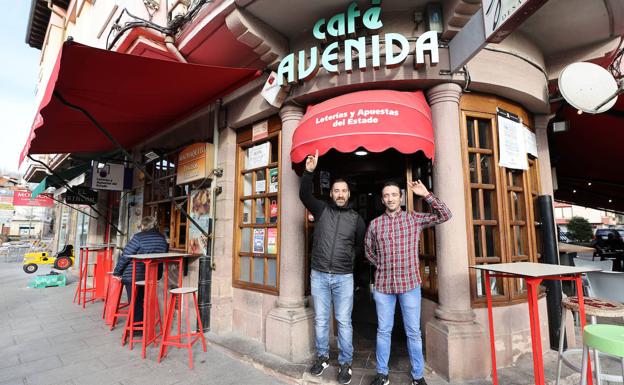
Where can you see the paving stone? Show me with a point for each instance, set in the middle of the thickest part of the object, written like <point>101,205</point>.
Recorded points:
<point>57,349</point>
<point>62,372</point>
<point>28,368</point>
<point>7,360</point>
<point>14,381</point>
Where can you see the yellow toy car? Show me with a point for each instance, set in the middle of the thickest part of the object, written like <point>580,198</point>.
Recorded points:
<point>61,261</point>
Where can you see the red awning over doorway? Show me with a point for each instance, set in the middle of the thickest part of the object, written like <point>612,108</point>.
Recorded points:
<point>132,97</point>
<point>376,120</point>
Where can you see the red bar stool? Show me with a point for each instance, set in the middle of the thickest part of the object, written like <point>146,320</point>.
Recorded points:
<point>114,308</point>
<point>84,275</point>
<point>176,340</point>
<point>132,325</point>
<point>109,279</point>
<point>81,276</point>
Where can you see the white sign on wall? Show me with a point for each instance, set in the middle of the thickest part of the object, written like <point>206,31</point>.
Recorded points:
<point>258,156</point>
<point>108,176</point>
<point>272,92</point>
<point>511,139</point>
<point>530,142</point>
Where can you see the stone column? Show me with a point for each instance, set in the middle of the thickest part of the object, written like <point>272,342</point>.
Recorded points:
<point>543,154</point>
<point>290,325</point>
<point>222,312</point>
<point>454,341</point>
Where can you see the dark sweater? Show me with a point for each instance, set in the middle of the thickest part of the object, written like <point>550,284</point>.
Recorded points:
<point>145,242</point>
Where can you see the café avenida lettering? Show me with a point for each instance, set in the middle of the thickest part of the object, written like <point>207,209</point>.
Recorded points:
<point>305,64</point>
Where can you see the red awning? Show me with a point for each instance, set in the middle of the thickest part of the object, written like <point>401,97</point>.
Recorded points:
<point>132,97</point>
<point>376,120</point>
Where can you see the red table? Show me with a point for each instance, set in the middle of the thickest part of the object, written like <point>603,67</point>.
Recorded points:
<point>151,262</point>
<point>103,264</point>
<point>533,274</point>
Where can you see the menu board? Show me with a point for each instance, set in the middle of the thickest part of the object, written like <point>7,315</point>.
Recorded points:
<point>511,141</point>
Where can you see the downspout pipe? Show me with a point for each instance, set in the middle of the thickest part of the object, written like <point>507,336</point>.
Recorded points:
<point>206,262</point>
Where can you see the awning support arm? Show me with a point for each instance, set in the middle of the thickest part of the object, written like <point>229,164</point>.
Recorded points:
<point>127,155</point>
<point>64,182</point>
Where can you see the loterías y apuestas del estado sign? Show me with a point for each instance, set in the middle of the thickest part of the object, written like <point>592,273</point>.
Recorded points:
<point>304,65</point>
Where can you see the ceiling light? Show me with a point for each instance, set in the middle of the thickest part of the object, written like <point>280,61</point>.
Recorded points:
<point>589,183</point>
<point>573,191</point>
<point>610,200</point>
<point>361,153</point>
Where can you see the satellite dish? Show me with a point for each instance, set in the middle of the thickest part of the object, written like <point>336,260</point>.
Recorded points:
<point>588,87</point>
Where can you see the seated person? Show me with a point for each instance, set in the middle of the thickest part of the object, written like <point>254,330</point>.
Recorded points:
<point>148,240</point>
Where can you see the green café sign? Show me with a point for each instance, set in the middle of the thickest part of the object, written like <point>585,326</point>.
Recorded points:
<point>304,65</point>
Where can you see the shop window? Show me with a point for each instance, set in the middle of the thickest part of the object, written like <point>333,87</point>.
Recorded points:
<point>163,199</point>
<point>256,245</point>
<point>500,201</point>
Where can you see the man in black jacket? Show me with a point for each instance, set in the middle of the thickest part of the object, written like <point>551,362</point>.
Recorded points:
<point>338,238</point>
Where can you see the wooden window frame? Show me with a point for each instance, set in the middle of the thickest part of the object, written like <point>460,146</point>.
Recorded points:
<point>427,251</point>
<point>484,108</point>
<point>244,141</point>
<point>175,194</point>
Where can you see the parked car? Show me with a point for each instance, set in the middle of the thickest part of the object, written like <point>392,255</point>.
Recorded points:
<point>608,240</point>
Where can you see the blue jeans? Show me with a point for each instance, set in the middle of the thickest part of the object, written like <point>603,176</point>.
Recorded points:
<point>410,307</point>
<point>336,288</point>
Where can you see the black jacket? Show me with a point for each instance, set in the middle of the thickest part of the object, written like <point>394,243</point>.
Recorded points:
<point>338,232</point>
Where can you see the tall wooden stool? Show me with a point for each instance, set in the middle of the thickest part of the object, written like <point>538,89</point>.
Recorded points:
<point>177,295</point>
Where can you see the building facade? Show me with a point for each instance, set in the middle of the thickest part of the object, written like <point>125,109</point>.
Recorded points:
<point>337,55</point>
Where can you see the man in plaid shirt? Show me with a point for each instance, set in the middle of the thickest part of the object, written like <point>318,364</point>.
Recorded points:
<point>391,244</point>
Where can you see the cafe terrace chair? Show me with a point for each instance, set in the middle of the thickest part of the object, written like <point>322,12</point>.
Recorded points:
<point>606,265</point>
<point>607,339</point>
<point>566,259</point>
<point>606,297</point>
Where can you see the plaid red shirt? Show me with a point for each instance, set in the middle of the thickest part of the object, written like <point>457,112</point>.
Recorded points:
<point>391,244</point>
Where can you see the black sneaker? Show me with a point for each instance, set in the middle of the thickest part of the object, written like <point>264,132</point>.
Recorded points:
<point>344,374</point>
<point>319,366</point>
<point>380,379</point>
<point>420,381</point>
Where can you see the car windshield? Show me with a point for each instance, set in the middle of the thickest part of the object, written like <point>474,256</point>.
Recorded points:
<point>621,233</point>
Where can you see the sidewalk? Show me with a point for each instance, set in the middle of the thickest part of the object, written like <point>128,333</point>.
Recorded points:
<point>46,339</point>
